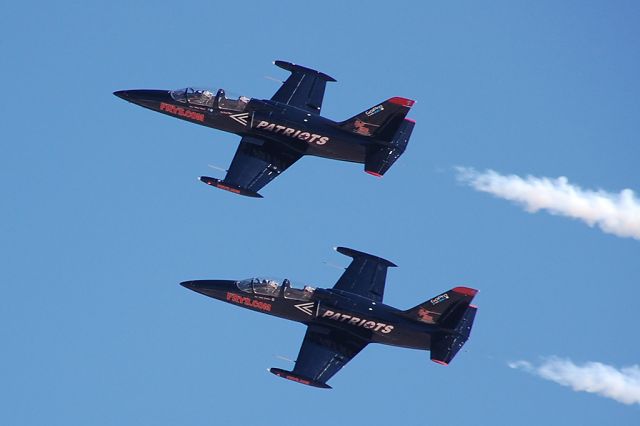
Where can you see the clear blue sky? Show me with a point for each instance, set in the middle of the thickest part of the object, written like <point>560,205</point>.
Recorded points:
<point>102,216</point>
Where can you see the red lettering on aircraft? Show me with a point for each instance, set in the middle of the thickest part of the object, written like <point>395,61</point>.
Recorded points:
<point>247,301</point>
<point>181,112</point>
<point>228,188</point>
<point>298,379</point>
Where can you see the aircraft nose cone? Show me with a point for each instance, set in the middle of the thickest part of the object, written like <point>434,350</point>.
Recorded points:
<point>191,285</point>
<point>123,94</point>
<point>209,287</point>
<point>148,98</point>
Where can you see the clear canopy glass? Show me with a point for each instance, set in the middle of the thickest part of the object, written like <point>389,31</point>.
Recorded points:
<point>274,288</point>
<point>210,98</point>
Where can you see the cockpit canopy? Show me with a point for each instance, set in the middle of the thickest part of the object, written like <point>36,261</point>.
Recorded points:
<point>273,288</point>
<point>206,98</point>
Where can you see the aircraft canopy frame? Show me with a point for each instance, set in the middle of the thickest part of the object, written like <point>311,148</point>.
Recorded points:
<point>210,98</point>
<point>275,288</point>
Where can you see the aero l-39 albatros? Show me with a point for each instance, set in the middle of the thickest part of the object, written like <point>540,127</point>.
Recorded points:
<point>342,320</point>
<point>277,132</point>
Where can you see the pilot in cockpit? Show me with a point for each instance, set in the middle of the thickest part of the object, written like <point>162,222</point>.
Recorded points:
<point>270,285</point>
<point>232,104</point>
<point>201,97</point>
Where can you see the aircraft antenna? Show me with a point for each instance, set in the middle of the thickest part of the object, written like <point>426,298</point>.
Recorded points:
<point>333,265</point>
<point>274,79</point>
<point>284,358</point>
<point>217,168</point>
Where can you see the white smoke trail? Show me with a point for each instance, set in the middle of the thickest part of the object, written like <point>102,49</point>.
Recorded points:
<point>614,213</point>
<point>622,385</point>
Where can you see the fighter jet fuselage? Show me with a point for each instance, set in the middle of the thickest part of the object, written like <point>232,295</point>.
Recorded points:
<point>358,316</point>
<point>344,319</point>
<point>277,132</point>
<point>297,129</point>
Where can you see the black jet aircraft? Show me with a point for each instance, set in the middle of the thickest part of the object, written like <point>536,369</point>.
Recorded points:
<point>277,132</point>
<point>342,320</point>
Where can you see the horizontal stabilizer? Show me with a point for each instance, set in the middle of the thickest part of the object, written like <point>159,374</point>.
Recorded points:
<point>229,187</point>
<point>445,346</point>
<point>381,157</point>
<point>453,313</point>
<point>289,375</point>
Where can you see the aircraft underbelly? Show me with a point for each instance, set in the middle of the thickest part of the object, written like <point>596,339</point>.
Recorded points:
<point>405,339</point>
<point>339,150</point>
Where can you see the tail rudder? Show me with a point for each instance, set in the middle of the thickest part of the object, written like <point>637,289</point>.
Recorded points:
<point>445,345</point>
<point>445,309</point>
<point>381,121</point>
<point>453,314</point>
<point>380,158</point>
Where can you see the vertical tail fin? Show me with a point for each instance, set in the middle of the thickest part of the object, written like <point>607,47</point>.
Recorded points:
<point>387,124</point>
<point>445,345</point>
<point>381,121</point>
<point>453,313</point>
<point>381,157</point>
<point>445,309</point>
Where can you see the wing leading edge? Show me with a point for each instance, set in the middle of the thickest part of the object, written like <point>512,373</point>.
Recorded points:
<point>256,163</point>
<point>303,89</point>
<point>323,353</point>
<point>366,274</point>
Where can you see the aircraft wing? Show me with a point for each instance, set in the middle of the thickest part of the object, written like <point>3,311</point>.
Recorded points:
<point>303,89</point>
<point>256,163</point>
<point>366,274</point>
<point>323,353</point>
